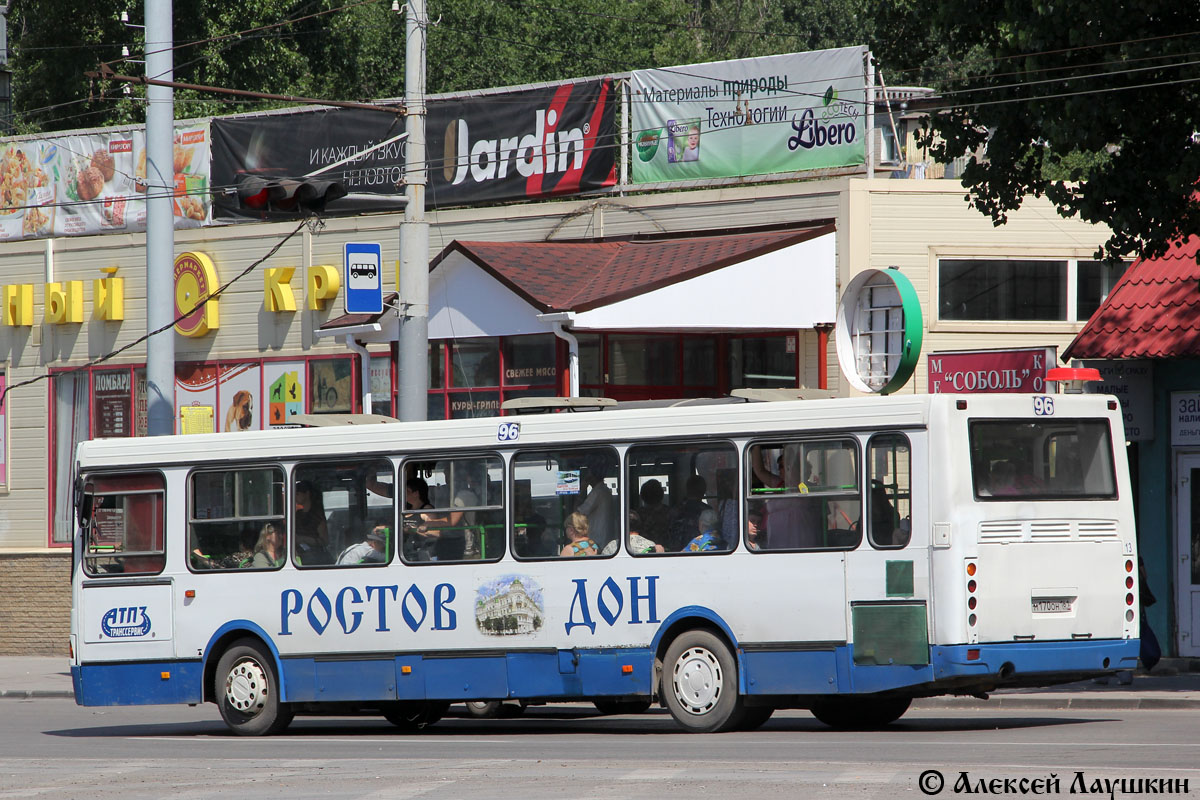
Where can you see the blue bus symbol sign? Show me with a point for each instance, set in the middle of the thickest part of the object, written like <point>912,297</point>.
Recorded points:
<point>364,278</point>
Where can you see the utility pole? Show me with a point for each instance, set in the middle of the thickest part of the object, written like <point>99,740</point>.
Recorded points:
<point>160,220</point>
<point>412,373</point>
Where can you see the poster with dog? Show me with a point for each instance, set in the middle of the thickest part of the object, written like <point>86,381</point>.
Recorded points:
<point>240,386</point>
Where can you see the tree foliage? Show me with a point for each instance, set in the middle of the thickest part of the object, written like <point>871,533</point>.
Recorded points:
<point>1095,109</point>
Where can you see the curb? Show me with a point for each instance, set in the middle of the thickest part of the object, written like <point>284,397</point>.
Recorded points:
<point>36,694</point>
<point>1061,702</point>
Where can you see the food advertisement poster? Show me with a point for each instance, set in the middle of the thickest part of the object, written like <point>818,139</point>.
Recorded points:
<point>96,183</point>
<point>754,116</point>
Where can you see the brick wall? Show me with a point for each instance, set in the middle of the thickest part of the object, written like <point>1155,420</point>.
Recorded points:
<point>35,603</point>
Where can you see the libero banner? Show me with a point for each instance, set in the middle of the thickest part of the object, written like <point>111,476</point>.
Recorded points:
<point>755,116</point>
<point>519,145</point>
<point>96,183</point>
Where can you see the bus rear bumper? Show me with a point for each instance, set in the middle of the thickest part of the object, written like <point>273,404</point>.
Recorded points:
<point>1031,663</point>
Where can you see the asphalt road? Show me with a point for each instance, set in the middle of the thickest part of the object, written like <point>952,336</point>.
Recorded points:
<point>55,749</point>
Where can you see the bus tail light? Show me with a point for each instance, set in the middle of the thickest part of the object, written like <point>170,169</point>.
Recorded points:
<point>972,586</point>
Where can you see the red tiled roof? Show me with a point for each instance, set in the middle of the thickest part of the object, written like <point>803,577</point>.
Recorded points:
<point>353,320</point>
<point>1152,312</point>
<point>578,276</point>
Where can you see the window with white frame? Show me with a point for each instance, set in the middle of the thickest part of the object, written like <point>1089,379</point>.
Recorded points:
<point>1023,290</point>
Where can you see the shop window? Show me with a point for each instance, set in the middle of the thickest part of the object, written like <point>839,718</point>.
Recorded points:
<point>112,403</point>
<point>529,360</point>
<point>762,362</point>
<point>1002,290</point>
<point>124,532</point>
<point>1096,279</point>
<point>567,503</point>
<point>642,360</point>
<point>235,515</point>
<point>591,366</point>
<point>437,366</point>
<point>699,361</point>
<point>889,501</point>
<point>381,385</point>
<point>332,385</point>
<point>70,428</point>
<point>475,362</point>
<point>344,513</point>
<point>804,495</point>
<point>457,510</point>
<point>468,405</point>
<point>686,499</point>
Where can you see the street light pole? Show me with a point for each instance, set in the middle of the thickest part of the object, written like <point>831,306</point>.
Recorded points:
<point>160,220</point>
<point>412,374</point>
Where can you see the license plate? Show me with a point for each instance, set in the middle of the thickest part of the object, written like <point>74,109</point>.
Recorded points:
<point>1054,605</point>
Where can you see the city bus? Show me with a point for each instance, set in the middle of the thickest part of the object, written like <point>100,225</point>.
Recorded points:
<point>720,559</point>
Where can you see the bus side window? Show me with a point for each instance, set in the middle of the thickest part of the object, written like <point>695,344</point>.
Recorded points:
<point>454,510</point>
<point>804,495</point>
<point>343,513</point>
<point>228,510</point>
<point>552,485</point>
<point>889,501</point>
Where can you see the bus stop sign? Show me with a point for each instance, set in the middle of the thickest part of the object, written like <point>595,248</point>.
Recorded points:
<point>364,278</point>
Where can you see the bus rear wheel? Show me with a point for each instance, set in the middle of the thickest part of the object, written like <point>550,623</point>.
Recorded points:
<point>860,713</point>
<point>700,683</point>
<point>247,691</point>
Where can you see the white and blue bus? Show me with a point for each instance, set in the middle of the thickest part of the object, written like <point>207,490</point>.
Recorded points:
<point>723,560</point>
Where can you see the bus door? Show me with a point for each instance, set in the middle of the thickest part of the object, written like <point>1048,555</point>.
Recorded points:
<point>125,605</point>
<point>887,575</point>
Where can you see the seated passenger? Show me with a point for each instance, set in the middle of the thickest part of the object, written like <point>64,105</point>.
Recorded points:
<point>709,539</point>
<point>655,517</point>
<point>269,551</point>
<point>372,551</point>
<point>683,518</point>
<point>756,538</point>
<point>579,543</point>
<point>637,542</point>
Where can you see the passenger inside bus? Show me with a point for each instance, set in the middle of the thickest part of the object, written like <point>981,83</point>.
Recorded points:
<point>756,538</point>
<point>579,543</point>
<point>420,530</point>
<point>270,550</point>
<point>371,551</point>
<point>685,516</point>
<point>654,516</point>
<point>709,539</point>
<point>312,531</point>
<point>598,504</point>
<point>792,522</point>
<point>637,542</point>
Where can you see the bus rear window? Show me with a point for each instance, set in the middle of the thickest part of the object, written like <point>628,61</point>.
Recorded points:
<point>1051,460</point>
<point>125,532</point>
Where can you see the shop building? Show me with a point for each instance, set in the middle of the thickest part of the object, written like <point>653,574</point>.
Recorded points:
<point>1145,339</point>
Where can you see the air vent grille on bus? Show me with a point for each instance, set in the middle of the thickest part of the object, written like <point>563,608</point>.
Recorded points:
<point>1098,529</point>
<point>1000,531</point>
<point>1048,531</point>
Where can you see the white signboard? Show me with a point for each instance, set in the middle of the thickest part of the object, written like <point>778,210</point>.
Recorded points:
<point>1185,419</point>
<point>1132,383</point>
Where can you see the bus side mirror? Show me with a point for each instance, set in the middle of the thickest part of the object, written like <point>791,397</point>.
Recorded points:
<point>84,494</point>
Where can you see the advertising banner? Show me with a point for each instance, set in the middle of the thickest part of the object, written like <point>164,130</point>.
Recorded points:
<point>527,144</point>
<point>524,145</point>
<point>96,183</point>
<point>754,116</point>
<point>968,372</point>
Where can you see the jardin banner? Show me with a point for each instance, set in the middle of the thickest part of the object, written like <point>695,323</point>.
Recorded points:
<point>787,113</point>
<point>520,145</point>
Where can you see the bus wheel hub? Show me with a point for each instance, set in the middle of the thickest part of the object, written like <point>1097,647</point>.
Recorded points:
<point>697,680</point>
<point>246,687</point>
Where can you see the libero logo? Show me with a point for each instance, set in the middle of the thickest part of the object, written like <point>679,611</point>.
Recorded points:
<point>125,622</point>
<point>543,150</point>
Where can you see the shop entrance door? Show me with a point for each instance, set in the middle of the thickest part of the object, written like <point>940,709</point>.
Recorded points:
<point>1187,545</point>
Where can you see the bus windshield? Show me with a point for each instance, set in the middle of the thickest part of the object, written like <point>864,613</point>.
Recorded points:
<point>1050,460</point>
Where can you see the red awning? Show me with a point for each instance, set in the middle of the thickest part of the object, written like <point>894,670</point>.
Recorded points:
<point>1152,312</point>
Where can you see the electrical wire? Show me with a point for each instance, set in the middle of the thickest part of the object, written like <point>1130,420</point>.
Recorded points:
<point>199,304</point>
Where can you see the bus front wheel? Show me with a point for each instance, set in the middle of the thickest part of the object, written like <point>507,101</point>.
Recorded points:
<point>700,683</point>
<point>247,691</point>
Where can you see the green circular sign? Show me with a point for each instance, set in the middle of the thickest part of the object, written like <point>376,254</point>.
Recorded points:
<point>879,331</point>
